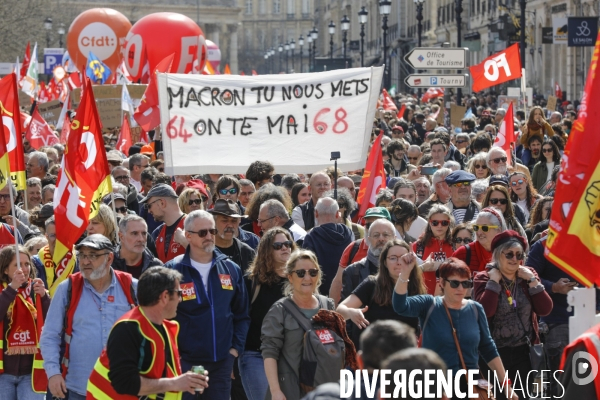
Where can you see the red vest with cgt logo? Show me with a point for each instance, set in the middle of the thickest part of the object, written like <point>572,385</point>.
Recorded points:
<point>175,249</point>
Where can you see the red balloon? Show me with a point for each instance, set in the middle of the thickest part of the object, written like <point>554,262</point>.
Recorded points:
<point>159,35</point>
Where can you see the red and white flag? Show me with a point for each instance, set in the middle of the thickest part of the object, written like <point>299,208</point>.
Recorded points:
<point>25,65</point>
<point>431,93</point>
<point>558,91</point>
<point>506,134</point>
<point>499,68</point>
<point>39,133</point>
<point>66,129</point>
<point>44,94</point>
<point>74,80</point>
<point>122,74</point>
<point>373,178</point>
<point>400,114</point>
<point>388,103</point>
<point>147,114</point>
<point>124,140</point>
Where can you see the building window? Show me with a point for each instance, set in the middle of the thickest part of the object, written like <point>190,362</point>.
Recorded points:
<point>249,6</point>
<point>262,6</point>
<point>291,7</point>
<point>478,6</point>
<point>306,7</point>
<point>276,6</point>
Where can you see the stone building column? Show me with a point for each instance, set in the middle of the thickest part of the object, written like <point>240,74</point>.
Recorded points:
<point>233,49</point>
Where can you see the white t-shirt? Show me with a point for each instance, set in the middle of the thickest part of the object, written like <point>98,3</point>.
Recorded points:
<point>523,205</point>
<point>204,270</point>
<point>550,166</point>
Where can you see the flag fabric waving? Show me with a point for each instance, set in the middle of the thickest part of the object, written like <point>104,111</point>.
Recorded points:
<point>96,69</point>
<point>39,133</point>
<point>44,95</point>
<point>124,140</point>
<point>147,114</point>
<point>127,103</point>
<point>373,178</point>
<point>30,79</point>
<point>388,103</point>
<point>432,93</point>
<point>227,70</point>
<point>84,178</point>
<point>496,69</point>
<point>11,123</point>
<point>400,114</point>
<point>8,123</point>
<point>26,61</point>
<point>558,93</point>
<point>65,130</point>
<point>506,134</point>
<point>574,233</point>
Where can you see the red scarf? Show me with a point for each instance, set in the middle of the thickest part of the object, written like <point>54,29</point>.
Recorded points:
<point>22,334</point>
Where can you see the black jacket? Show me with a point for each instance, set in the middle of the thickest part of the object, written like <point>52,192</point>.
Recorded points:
<point>148,260</point>
<point>244,255</point>
<point>308,215</point>
<point>354,274</point>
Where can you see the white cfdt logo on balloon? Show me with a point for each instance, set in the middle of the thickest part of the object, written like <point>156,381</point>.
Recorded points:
<point>495,64</point>
<point>581,362</point>
<point>98,38</point>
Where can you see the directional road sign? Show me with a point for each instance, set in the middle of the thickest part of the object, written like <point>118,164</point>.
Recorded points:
<point>437,58</point>
<point>427,81</point>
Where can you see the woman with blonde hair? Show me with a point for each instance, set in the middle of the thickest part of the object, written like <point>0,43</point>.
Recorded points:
<point>103,223</point>
<point>190,200</point>
<point>478,165</point>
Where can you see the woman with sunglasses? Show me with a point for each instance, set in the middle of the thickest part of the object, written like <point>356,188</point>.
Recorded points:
<point>281,335</point>
<point>478,254</point>
<point>542,170</point>
<point>478,166</point>
<point>436,334</point>
<point>228,188</point>
<point>497,197</point>
<point>265,279</point>
<point>435,244</point>
<point>522,191</point>
<point>462,234</point>
<point>372,300</point>
<point>190,200</point>
<point>513,298</point>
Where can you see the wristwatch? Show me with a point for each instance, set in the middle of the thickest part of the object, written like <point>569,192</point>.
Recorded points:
<point>533,278</point>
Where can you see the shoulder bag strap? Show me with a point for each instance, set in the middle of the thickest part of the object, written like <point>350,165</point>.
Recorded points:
<point>462,361</point>
<point>294,310</point>
<point>521,322</point>
<point>255,290</point>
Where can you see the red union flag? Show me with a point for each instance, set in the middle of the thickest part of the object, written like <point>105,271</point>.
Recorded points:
<point>506,134</point>
<point>11,124</point>
<point>84,178</point>
<point>124,140</point>
<point>388,103</point>
<point>499,68</point>
<point>574,234</point>
<point>373,178</point>
<point>39,133</point>
<point>147,114</point>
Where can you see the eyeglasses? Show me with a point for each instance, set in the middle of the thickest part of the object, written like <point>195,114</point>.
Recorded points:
<point>393,259</point>
<point>322,185</point>
<point>179,293</point>
<point>122,178</point>
<point>5,197</point>
<point>279,245</point>
<point>510,255</point>
<point>496,201</point>
<point>547,150</point>
<point>463,240</point>
<point>302,272</point>
<point>461,184</point>
<point>413,158</point>
<point>461,141</point>
<point>147,206</point>
<point>203,232</point>
<point>225,192</point>
<point>121,210</point>
<point>484,228</point>
<point>518,182</point>
<point>196,202</point>
<point>465,284</point>
<point>476,166</point>
<point>436,222</point>
<point>262,221</point>
<point>500,160</point>
<point>91,257</point>
<point>376,236</point>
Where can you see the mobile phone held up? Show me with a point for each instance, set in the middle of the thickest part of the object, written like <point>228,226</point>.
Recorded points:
<point>428,170</point>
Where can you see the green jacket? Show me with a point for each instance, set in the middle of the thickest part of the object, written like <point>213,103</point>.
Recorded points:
<point>539,175</point>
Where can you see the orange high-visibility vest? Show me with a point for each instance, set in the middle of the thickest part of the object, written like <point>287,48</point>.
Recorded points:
<point>99,386</point>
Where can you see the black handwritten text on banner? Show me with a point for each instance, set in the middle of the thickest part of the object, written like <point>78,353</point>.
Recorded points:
<point>221,124</point>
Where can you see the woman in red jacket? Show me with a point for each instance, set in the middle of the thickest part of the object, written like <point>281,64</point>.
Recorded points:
<point>435,244</point>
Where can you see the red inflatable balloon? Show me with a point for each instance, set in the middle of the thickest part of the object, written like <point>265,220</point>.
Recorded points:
<point>159,35</point>
<point>101,31</point>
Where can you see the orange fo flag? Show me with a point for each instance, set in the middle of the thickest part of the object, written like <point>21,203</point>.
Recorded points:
<point>506,134</point>
<point>499,68</point>
<point>388,103</point>
<point>11,124</point>
<point>573,241</point>
<point>84,178</point>
<point>373,179</point>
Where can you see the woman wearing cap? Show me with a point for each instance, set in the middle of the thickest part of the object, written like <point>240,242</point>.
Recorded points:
<point>497,197</point>
<point>104,224</point>
<point>435,244</point>
<point>513,298</point>
<point>403,214</point>
<point>439,315</point>
<point>522,192</point>
<point>190,200</point>
<point>478,254</point>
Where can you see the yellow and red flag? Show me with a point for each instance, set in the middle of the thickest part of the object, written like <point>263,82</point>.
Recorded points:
<point>84,178</point>
<point>11,124</point>
<point>373,178</point>
<point>574,234</point>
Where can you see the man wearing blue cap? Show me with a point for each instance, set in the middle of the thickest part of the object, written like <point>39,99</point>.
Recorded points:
<point>463,207</point>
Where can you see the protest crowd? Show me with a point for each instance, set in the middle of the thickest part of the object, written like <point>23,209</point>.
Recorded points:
<point>265,285</point>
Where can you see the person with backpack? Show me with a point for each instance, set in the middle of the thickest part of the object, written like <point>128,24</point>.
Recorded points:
<point>265,280</point>
<point>83,310</point>
<point>304,343</point>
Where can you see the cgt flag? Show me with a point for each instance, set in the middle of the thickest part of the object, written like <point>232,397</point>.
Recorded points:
<point>147,114</point>
<point>388,103</point>
<point>373,178</point>
<point>12,125</point>
<point>124,140</point>
<point>84,178</point>
<point>574,232</point>
<point>499,68</point>
<point>506,134</point>
<point>39,133</point>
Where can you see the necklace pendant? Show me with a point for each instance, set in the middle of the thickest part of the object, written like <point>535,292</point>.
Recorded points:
<point>510,300</point>
<point>514,303</point>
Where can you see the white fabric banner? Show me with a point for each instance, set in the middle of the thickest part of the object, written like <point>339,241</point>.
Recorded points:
<point>223,123</point>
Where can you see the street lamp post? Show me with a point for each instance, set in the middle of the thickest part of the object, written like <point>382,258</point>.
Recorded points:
<point>363,16</point>
<point>385,7</point>
<point>315,35</point>
<point>459,11</point>
<point>280,49</point>
<point>61,34</point>
<point>286,46</point>
<point>523,4</point>
<point>267,62</point>
<point>301,44</point>
<point>272,54</point>
<point>48,26</point>
<point>309,41</point>
<point>292,47</point>
<point>331,27</point>
<point>419,4</point>
<point>345,29</point>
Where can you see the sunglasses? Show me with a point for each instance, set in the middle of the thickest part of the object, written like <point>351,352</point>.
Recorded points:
<point>461,184</point>
<point>510,255</point>
<point>436,222</point>
<point>465,284</point>
<point>224,192</point>
<point>518,182</point>
<point>480,166</point>
<point>546,150</point>
<point>496,201</point>
<point>500,160</point>
<point>461,141</point>
<point>463,240</point>
<point>279,246</point>
<point>147,206</point>
<point>484,228</point>
<point>203,232</point>
<point>413,158</point>
<point>196,202</point>
<point>122,178</point>
<point>302,272</point>
<point>121,210</point>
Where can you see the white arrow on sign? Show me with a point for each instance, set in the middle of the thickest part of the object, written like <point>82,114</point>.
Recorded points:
<point>437,58</point>
<point>428,81</point>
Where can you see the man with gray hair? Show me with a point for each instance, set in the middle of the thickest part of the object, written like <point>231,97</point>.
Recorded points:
<point>273,213</point>
<point>214,296</point>
<point>23,225</point>
<point>441,194</point>
<point>33,193</point>
<point>328,240</point>
<point>38,164</point>
<point>132,255</point>
<point>48,193</point>
<point>555,118</point>
<point>423,187</point>
<point>137,163</point>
